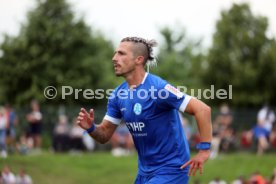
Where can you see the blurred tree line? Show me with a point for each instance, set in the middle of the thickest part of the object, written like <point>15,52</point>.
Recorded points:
<point>54,48</point>
<point>242,55</point>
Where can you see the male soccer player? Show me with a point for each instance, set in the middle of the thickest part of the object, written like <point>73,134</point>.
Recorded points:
<point>149,106</point>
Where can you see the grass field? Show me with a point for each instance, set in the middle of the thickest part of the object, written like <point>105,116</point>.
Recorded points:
<point>102,168</point>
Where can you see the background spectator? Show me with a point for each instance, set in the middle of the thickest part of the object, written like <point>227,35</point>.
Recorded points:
<point>261,132</point>
<point>256,178</point>
<point>217,180</point>
<point>35,123</point>
<point>272,137</point>
<point>266,118</point>
<point>25,144</point>
<point>10,131</point>
<point>240,180</point>
<point>88,142</point>
<point>273,177</point>
<point>3,125</point>
<point>7,176</point>
<point>121,141</point>
<point>76,137</point>
<point>61,137</point>
<point>23,178</point>
<point>223,133</point>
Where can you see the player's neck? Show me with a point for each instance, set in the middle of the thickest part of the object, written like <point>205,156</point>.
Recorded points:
<point>135,78</point>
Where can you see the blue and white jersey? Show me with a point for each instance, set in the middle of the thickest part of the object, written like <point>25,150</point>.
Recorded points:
<point>150,112</point>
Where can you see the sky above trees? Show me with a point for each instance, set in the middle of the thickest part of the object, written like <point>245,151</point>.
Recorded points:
<point>117,19</point>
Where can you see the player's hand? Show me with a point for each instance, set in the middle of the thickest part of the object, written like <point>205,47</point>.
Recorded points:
<point>196,163</point>
<point>85,120</point>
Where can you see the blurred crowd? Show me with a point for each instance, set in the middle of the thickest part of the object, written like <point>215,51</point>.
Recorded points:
<point>67,136</point>
<point>254,178</point>
<point>8,177</point>
<point>261,137</point>
<point>263,134</point>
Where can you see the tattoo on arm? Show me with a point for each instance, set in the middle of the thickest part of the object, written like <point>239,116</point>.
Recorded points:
<point>102,133</point>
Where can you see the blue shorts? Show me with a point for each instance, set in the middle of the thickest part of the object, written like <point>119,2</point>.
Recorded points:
<point>174,178</point>
<point>260,132</point>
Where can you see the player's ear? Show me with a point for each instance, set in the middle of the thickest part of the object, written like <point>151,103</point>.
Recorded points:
<point>140,60</point>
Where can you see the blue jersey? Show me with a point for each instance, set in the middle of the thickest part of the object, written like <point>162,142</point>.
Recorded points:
<point>150,112</point>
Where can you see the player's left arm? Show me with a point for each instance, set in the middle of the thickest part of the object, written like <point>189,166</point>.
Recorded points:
<point>202,113</point>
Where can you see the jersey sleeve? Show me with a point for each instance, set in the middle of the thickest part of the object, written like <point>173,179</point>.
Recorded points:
<point>113,113</point>
<point>171,98</point>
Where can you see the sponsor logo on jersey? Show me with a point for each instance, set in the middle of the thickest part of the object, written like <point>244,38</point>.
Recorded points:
<point>135,126</point>
<point>174,91</point>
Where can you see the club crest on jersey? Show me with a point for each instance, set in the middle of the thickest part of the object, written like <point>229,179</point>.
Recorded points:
<point>137,109</point>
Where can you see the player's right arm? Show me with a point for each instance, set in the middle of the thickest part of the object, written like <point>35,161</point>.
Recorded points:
<point>102,133</point>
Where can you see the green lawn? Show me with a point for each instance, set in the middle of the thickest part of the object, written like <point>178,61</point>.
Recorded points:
<point>102,168</point>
